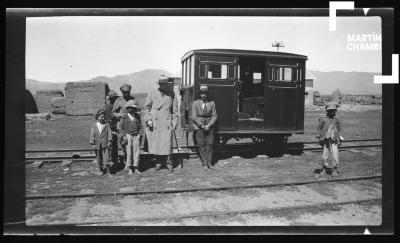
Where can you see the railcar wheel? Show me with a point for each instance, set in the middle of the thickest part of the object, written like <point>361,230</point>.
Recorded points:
<point>258,139</point>
<point>222,140</point>
<point>278,140</point>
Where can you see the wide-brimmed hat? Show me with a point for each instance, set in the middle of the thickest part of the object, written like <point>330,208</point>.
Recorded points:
<point>131,103</point>
<point>203,88</point>
<point>164,80</point>
<point>112,94</point>
<point>99,112</point>
<point>331,106</point>
<point>125,87</point>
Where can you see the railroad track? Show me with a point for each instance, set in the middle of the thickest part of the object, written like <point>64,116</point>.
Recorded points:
<point>286,209</point>
<point>77,155</point>
<point>200,189</point>
<point>293,211</point>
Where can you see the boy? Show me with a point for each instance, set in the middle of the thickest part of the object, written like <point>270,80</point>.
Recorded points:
<point>329,137</point>
<point>100,139</point>
<point>130,128</point>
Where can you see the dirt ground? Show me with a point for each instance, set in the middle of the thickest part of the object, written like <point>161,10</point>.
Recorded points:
<point>79,177</point>
<point>310,203</point>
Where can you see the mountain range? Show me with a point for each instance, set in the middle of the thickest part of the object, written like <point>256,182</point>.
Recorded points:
<point>142,81</point>
<point>356,83</point>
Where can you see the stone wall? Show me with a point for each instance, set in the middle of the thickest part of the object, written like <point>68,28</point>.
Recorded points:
<point>85,98</point>
<point>58,105</point>
<point>321,100</point>
<point>43,99</point>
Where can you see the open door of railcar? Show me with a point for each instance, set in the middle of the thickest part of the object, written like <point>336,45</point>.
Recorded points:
<point>219,74</point>
<point>284,96</point>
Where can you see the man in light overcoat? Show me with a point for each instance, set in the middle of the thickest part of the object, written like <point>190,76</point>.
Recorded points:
<point>161,117</point>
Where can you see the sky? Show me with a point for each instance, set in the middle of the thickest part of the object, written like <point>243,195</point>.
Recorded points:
<point>62,49</point>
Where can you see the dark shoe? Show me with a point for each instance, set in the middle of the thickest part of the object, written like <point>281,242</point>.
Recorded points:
<point>321,173</point>
<point>335,173</point>
<point>101,172</point>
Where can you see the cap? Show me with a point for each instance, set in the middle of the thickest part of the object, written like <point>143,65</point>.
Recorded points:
<point>331,106</point>
<point>203,88</point>
<point>131,103</point>
<point>125,87</point>
<point>99,112</point>
<point>112,94</point>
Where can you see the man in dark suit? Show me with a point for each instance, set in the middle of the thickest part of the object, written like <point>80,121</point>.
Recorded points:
<point>204,116</point>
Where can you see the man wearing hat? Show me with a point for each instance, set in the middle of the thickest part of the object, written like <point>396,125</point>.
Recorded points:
<point>161,117</point>
<point>130,128</point>
<point>120,102</point>
<point>119,105</point>
<point>329,137</point>
<point>204,116</point>
<point>112,121</point>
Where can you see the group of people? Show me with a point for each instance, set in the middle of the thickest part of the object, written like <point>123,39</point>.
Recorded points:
<point>120,122</point>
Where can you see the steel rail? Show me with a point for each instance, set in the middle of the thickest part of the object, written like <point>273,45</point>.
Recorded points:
<point>87,157</point>
<point>222,188</point>
<point>221,213</point>
<point>189,147</point>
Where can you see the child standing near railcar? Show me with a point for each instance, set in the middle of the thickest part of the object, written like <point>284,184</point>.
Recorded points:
<point>130,128</point>
<point>100,139</point>
<point>329,137</point>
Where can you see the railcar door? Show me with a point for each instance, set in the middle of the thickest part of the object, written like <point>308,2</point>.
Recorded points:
<point>282,93</point>
<point>219,74</point>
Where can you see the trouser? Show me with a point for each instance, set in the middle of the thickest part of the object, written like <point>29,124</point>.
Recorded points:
<point>113,156</point>
<point>102,157</point>
<point>205,142</point>
<point>132,150</point>
<point>330,147</point>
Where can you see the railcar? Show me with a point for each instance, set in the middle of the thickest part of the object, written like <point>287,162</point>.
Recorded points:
<point>258,94</point>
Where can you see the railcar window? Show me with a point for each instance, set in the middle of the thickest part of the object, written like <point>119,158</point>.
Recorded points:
<point>217,71</point>
<point>256,78</point>
<point>202,70</point>
<point>182,79</point>
<point>281,74</point>
<point>231,72</point>
<point>192,70</point>
<point>184,73</point>
<point>187,71</point>
<point>287,74</point>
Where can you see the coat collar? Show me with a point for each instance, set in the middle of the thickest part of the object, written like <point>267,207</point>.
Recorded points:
<point>97,129</point>
<point>162,98</point>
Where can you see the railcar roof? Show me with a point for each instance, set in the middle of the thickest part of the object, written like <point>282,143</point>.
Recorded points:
<point>250,53</point>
